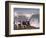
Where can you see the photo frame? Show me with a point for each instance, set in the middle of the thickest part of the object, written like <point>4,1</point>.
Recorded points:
<point>24,18</point>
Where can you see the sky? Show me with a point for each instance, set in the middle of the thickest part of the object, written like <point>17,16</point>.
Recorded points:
<point>26,10</point>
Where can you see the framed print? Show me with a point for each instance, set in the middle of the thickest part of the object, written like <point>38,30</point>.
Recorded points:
<point>24,18</point>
